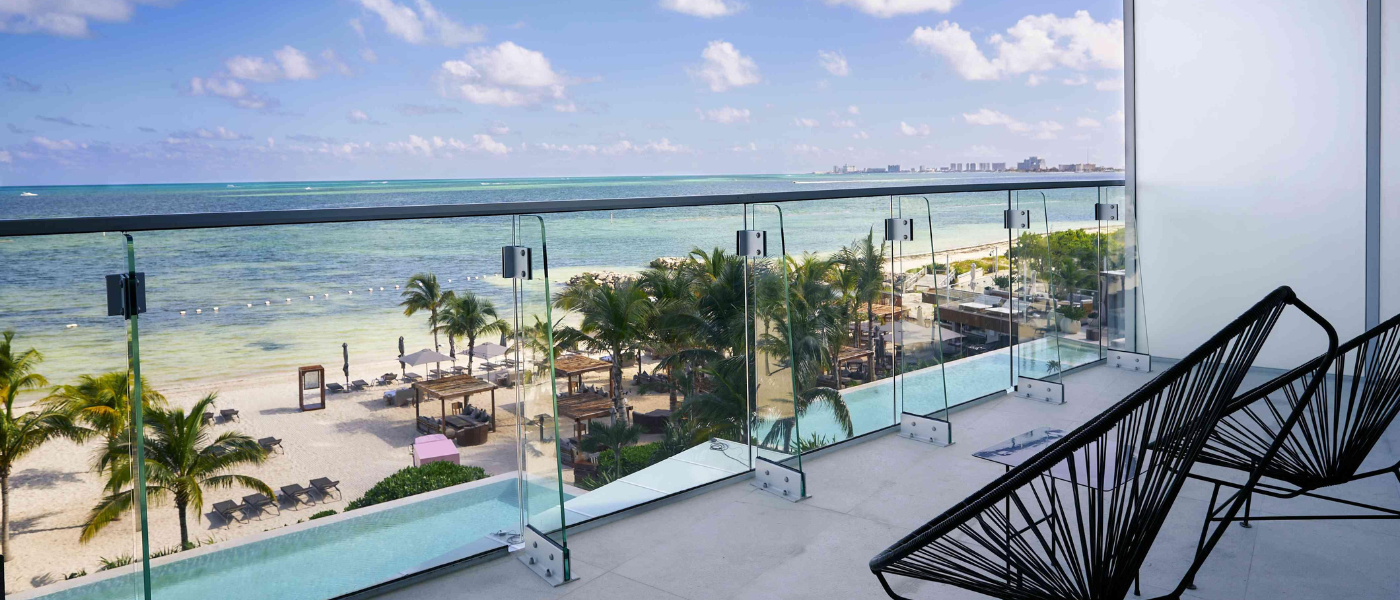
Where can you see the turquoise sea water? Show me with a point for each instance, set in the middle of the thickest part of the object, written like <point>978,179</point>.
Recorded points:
<point>298,279</point>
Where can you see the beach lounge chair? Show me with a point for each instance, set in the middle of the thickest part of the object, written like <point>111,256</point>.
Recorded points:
<point>1078,519</point>
<point>228,509</point>
<point>458,370</point>
<point>325,485</point>
<point>412,377</point>
<point>357,385</point>
<point>268,443</point>
<point>229,414</point>
<point>334,388</point>
<point>207,418</point>
<point>257,503</point>
<point>387,378</point>
<point>294,493</point>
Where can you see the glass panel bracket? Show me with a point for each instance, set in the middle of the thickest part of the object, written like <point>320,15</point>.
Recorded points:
<point>926,429</point>
<point>544,556</point>
<point>1129,361</point>
<point>899,230</point>
<point>1039,389</point>
<point>126,294</point>
<point>752,243</point>
<point>516,263</point>
<point>780,480</point>
<point>1105,212</point>
<point>1017,219</point>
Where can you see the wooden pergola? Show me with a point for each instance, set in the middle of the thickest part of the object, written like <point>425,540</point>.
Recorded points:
<point>885,312</point>
<point>454,386</point>
<point>849,354</point>
<point>576,365</point>
<point>584,407</point>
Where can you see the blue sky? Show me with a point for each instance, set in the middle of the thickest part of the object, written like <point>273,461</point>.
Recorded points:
<point>124,91</point>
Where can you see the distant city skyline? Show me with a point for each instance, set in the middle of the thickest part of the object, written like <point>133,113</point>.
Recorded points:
<point>401,89</point>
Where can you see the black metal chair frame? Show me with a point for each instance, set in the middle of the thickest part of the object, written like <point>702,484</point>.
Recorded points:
<point>1025,536</point>
<point>1313,440</point>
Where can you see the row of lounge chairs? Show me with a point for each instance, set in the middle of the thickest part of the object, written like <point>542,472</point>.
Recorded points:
<point>228,414</point>
<point>257,504</point>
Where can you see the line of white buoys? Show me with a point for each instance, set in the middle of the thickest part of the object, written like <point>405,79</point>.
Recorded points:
<point>71,326</point>
<point>216,309</point>
<point>327,295</point>
<point>351,292</point>
<point>182,313</point>
<point>381,288</point>
<point>310,297</point>
<point>267,303</point>
<point>289,300</point>
<point>199,311</point>
<point>250,306</point>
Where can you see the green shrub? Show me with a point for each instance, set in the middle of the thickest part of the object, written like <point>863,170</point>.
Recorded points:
<point>634,458</point>
<point>1073,313</point>
<point>75,574</point>
<point>120,561</point>
<point>411,481</point>
<point>325,513</point>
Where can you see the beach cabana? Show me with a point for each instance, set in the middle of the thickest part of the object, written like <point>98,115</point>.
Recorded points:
<point>455,386</point>
<point>885,312</point>
<point>575,365</point>
<point>582,408</point>
<point>849,355</point>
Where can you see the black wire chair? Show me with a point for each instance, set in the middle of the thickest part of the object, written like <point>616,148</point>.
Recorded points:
<point>1078,520</point>
<point>1322,438</point>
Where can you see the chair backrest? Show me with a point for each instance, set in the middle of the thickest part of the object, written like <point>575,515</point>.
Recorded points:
<point>1077,520</point>
<point>1333,430</point>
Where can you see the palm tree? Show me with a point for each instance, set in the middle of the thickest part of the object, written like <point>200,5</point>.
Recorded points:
<point>23,433</point>
<point>470,316</point>
<point>612,437</point>
<point>533,340</point>
<point>424,293</point>
<point>181,462</point>
<point>614,321</point>
<point>103,403</point>
<point>669,330</point>
<point>723,410</point>
<point>867,262</point>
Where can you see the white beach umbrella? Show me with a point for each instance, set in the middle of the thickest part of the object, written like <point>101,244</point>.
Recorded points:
<point>488,350</point>
<point>424,357</point>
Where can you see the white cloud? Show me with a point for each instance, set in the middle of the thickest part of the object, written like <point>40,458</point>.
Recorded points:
<point>1088,122</point>
<point>726,115</point>
<point>334,61</point>
<point>842,123</point>
<point>5,156</point>
<point>664,146</point>
<point>230,90</point>
<point>290,64</point>
<point>1116,117</point>
<point>252,68</point>
<point>703,8</point>
<point>63,18</point>
<point>1035,43</point>
<point>725,67</point>
<point>294,63</point>
<point>485,143</point>
<point>425,25</point>
<point>860,135</point>
<point>804,122</point>
<point>49,144</point>
<point>369,56</point>
<point>921,129</point>
<point>1078,79</point>
<point>890,8</point>
<point>1033,80</point>
<point>218,133</point>
<point>358,27</point>
<point>806,149</point>
<point>499,128</point>
<point>1109,85</point>
<point>751,147</point>
<point>853,109</point>
<point>1044,130</point>
<point>834,63</point>
<point>360,117</point>
<point>504,75</point>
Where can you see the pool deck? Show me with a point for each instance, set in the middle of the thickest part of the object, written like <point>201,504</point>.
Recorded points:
<point>738,542</point>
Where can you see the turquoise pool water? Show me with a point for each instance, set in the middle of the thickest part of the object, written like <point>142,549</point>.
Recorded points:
<point>877,405</point>
<point>331,559</point>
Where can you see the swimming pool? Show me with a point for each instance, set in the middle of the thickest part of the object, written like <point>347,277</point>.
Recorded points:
<point>331,556</point>
<point>873,406</point>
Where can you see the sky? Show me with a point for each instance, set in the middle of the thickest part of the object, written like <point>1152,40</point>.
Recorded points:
<point>170,91</point>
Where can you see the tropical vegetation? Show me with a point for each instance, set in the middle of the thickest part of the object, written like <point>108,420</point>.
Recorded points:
<point>410,481</point>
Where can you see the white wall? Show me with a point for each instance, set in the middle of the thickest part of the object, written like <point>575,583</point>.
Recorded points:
<point>1250,165</point>
<point>1390,158</point>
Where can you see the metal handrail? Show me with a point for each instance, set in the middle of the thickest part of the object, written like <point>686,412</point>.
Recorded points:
<point>133,223</point>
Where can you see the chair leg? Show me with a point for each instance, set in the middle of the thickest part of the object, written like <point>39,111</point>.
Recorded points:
<point>1248,505</point>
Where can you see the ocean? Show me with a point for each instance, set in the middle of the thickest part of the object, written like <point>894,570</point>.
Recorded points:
<point>290,296</point>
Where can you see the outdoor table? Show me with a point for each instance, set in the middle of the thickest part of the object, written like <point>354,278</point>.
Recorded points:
<point>434,448</point>
<point>459,422</point>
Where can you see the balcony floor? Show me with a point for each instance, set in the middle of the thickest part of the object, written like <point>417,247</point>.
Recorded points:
<point>738,542</point>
